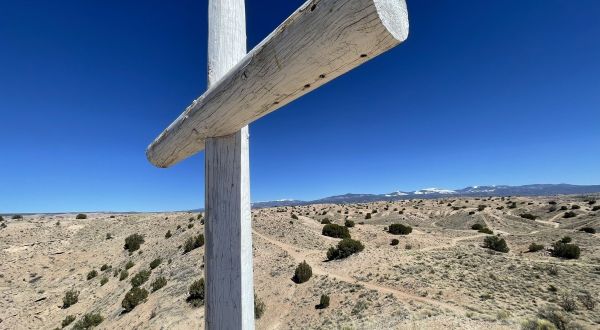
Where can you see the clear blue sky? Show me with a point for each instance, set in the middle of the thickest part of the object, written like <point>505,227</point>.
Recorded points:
<point>482,92</point>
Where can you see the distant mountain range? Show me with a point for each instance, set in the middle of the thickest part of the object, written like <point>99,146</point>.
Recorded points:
<point>526,190</point>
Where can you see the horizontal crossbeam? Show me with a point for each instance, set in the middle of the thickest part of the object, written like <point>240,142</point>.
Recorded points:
<point>320,41</point>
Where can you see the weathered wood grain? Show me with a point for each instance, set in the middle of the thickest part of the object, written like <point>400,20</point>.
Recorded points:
<point>320,41</point>
<point>229,289</point>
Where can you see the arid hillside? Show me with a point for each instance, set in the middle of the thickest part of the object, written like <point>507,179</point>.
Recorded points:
<point>465,263</point>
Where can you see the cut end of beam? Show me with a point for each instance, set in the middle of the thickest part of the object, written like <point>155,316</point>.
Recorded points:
<point>394,16</point>
<point>320,41</point>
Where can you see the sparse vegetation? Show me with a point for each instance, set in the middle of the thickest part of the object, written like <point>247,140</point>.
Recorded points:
<point>395,241</point>
<point>129,264</point>
<point>92,274</point>
<point>155,263</point>
<point>158,283</point>
<point>323,302</point>
<point>104,267</point>
<point>528,216</point>
<point>168,234</point>
<point>103,280</point>
<point>259,307</point>
<point>123,275</point>
<point>588,230</point>
<point>534,247</point>
<point>335,231</point>
<point>88,321</point>
<point>399,229</point>
<point>134,297</point>
<point>17,217</point>
<point>325,221</point>
<point>196,293</point>
<point>486,230</point>
<point>81,216</point>
<point>349,223</point>
<point>495,243</point>
<point>140,278</point>
<point>565,250</point>
<point>193,243</point>
<point>344,249</point>
<point>70,299</point>
<point>569,214</point>
<point>477,226</point>
<point>302,273</point>
<point>67,320</point>
<point>133,242</point>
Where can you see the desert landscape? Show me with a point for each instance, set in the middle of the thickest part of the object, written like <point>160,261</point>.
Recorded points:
<point>445,272</point>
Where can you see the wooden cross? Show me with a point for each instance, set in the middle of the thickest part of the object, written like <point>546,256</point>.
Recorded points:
<point>320,41</point>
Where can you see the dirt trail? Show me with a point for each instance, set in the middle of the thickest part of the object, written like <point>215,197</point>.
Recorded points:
<point>302,255</point>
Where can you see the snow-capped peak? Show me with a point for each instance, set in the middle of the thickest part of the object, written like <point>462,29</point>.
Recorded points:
<point>396,193</point>
<point>434,191</point>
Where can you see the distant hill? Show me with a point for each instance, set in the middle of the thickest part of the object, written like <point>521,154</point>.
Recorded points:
<point>502,190</point>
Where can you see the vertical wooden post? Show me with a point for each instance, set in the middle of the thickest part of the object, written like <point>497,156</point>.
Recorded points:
<point>228,253</point>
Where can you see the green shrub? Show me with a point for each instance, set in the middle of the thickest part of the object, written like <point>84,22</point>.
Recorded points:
<point>190,226</point>
<point>534,247</point>
<point>140,278</point>
<point>193,243</point>
<point>168,234</point>
<point>395,241</point>
<point>158,283</point>
<point>555,316</point>
<point>512,205</point>
<point>88,321</point>
<point>70,299</point>
<point>103,280</point>
<point>323,302</point>
<point>596,208</point>
<point>477,226</point>
<point>68,320</point>
<point>104,267</point>
<point>133,242</point>
<point>566,239</point>
<point>155,263</point>
<point>528,216</point>
<point>368,216</point>
<point>134,297</point>
<point>349,223</point>
<point>575,207</point>
<point>495,243</point>
<point>1,218</point>
<point>123,275</point>
<point>92,274</point>
<point>481,207</point>
<point>486,230</point>
<point>537,324</point>
<point>325,221</point>
<point>344,249</point>
<point>565,250</point>
<point>109,236</point>
<point>259,307</point>
<point>399,229</point>
<point>567,302</point>
<point>302,273</point>
<point>129,264</point>
<point>295,217</point>
<point>17,217</point>
<point>196,293</point>
<point>81,216</point>
<point>588,230</point>
<point>569,214</point>
<point>335,231</point>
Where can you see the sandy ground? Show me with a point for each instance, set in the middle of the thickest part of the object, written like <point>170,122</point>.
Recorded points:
<point>438,277</point>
